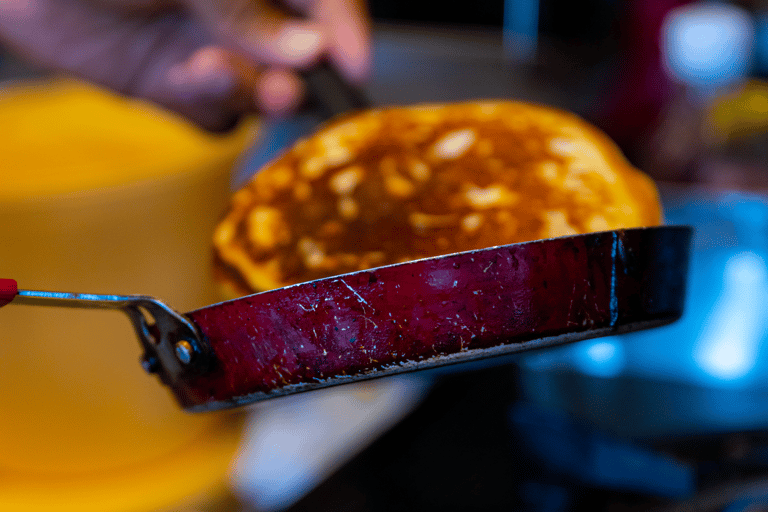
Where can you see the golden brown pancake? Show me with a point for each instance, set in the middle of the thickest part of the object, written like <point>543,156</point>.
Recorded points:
<point>396,184</point>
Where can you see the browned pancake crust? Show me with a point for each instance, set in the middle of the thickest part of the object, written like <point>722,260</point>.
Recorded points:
<point>391,185</point>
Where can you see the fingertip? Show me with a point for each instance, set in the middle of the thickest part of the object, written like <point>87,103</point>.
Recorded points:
<point>210,88</point>
<point>354,63</point>
<point>351,49</point>
<point>298,44</point>
<point>278,92</point>
<point>207,73</point>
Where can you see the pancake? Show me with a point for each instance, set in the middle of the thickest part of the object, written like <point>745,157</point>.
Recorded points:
<point>396,184</point>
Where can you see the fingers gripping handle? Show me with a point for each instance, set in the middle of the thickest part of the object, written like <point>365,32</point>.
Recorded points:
<point>8,290</point>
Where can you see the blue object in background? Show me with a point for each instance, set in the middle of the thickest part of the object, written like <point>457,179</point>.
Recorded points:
<point>597,459</point>
<point>707,372</point>
<point>720,340</point>
<point>750,501</point>
<point>276,136</point>
<point>761,44</point>
<point>521,29</point>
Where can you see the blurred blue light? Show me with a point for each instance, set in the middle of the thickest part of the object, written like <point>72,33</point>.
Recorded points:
<point>728,344</point>
<point>603,358</point>
<point>708,44</point>
<point>602,352</point>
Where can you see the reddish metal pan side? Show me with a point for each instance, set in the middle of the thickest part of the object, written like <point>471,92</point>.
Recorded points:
<point>437,311</point>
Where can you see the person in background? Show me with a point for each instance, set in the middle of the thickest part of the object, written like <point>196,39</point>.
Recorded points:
<point>211,61</point>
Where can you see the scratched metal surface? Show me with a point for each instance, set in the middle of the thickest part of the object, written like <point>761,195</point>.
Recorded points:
<point>438,311</point>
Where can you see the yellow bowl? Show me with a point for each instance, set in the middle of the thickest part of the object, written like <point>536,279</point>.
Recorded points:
<point>104,195</point>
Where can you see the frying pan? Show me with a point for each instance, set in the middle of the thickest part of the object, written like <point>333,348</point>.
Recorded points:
<point>399,318</point>
<point>404,317</point>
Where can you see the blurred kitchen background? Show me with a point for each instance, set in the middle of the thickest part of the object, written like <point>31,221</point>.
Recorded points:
<point>670,419</point>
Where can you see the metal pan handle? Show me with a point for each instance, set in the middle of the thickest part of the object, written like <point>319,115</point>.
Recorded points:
<point>173,346</point>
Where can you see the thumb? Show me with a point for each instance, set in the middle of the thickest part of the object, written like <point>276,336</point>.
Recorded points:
<point>261,32</point>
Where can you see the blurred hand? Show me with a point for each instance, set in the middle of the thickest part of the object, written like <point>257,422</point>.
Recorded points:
<point>209,60</point>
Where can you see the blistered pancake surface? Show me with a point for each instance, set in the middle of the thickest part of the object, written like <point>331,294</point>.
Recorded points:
<point>391,185</point>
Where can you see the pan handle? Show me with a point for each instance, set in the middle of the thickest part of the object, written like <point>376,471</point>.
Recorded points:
<point>330,94</point>
<point>172,343</point>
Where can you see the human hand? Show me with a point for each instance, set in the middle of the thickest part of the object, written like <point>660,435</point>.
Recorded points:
<point>209,60</point>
